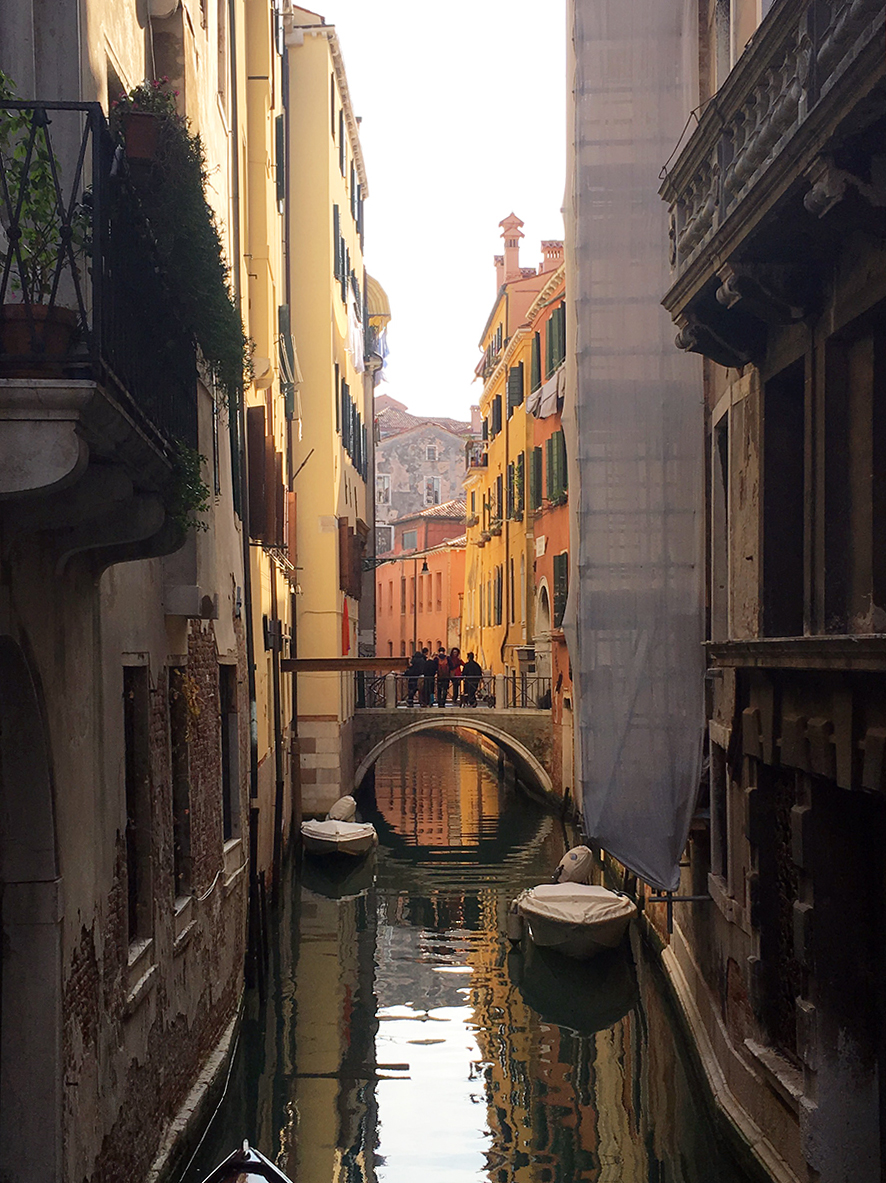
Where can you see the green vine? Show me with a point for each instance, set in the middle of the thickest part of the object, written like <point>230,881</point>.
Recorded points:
<point>192,495</point>
<point>173,195</point>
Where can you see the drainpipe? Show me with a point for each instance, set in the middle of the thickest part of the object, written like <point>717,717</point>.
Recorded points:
<point>254,961</point>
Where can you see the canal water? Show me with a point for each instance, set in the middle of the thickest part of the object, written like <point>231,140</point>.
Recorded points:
<point>401,1039</point>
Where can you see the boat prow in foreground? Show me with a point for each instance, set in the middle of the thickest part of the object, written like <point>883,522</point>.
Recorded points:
<point>338,837</point>
<point>246,1166</point>
<point>577,919</point>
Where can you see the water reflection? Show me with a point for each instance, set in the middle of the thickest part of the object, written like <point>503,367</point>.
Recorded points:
<point>403,1039</point>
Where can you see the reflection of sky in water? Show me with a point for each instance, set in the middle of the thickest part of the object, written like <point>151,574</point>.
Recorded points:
<point>433,1126</point>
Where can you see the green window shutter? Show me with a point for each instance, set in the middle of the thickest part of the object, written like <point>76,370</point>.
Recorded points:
<point>511,499</point>
<point>549,468</point>
<point>564,468</point>
<point>561,586</point>
<point>515,387</point>
<point>342,142</point>
<point>535,363</point>
<point>519,479</point>
<point>535,479</point>
<point>280,150</point>
<point>499,496</point>
<point>496,415</point>
<point>332,105</point>
<point>549,346</point>
<point>485,434</point>
<point>346,417</point>
<point>337,399</point>
<point>561,330</point>
<point>336,242</point>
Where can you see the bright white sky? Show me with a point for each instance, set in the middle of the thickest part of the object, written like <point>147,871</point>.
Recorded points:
<point>463,112</point>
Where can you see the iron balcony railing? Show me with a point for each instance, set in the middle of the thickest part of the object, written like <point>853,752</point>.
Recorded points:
<point>527,692</point>
<point>74,243</point>
<point>375,692</point>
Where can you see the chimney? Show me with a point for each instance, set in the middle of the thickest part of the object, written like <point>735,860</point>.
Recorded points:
<point>511,233</point>
<point>476,422</point>
<point>552,254</point>
<point>499,271</point>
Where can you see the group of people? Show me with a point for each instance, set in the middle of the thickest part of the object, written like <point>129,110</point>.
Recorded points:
<point>431,677</point>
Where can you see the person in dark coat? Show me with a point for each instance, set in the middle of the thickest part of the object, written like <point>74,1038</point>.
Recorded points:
<point>471,675</point>
<point>443,676</point>
<point>428,679</point>
<point>414,672</point>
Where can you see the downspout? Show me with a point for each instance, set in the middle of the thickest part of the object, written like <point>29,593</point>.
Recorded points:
<point>254,960</point>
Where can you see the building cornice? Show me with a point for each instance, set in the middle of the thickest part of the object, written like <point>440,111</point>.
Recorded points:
<point>295,36</point>
<point>547,293</point>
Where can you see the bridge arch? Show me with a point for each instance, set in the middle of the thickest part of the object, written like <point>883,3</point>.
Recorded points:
<point>522,755</point>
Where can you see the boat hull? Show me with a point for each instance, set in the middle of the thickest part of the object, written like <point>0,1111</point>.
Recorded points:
<point>355,839</point>
<point>577,920</point>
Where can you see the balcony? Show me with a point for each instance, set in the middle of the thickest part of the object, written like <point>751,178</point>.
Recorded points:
<point>98,379</point>
<point>791,134</point>
<point>475,455</point>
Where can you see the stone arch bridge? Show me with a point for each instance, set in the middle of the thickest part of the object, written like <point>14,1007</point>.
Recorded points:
<point>526,735</point>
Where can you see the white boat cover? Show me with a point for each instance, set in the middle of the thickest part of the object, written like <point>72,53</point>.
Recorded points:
<point>344,810</point>
<point>332,830</point>
<point>581,904</point>
<point>575,866</point>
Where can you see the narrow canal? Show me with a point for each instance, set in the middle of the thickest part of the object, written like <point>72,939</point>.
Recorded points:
<point>402,1039</point>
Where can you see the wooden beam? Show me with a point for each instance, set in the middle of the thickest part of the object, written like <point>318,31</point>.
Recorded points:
<point>304,665</point>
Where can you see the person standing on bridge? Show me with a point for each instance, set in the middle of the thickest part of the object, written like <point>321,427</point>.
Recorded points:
<point>414,673</point>
<point>443,676</point>
<point>426,694</point>
<point>456,665</point>
<point>471,675</point>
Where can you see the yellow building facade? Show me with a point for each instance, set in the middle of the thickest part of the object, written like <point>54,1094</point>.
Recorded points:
<point>499,587</point>
<point>328,294</point>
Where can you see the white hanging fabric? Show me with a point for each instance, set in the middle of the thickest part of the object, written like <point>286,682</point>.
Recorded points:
<point>635,442</point>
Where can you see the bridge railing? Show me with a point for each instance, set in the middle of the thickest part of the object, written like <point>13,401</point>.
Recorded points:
<point>498,692</point>
<point>527,692</point>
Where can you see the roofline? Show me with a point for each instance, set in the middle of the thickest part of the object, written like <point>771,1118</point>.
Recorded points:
<point>423,427</point>
<point>547,292</point>
<point>295,37</point>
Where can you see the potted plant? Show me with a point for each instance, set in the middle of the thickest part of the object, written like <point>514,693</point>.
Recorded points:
<point>33,234</point>
<point>141,114</point>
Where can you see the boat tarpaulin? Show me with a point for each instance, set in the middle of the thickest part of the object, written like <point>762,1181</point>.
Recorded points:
<point>635,438</point>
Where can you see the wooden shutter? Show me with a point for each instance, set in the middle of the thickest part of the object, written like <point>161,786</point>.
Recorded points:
<point>549,468</point>
<point>549,346</point>
<point>515,387</point>
<point>561,586</point>
<point>519,485</point>
<point>291,530</point>
<point>511,501</point>
<point>280,150</point>
<point>485,434</point>
<point>535,363</point>
<point>535,485</point>
<point>257,471</point>
<point>336,242</point>
<point>564,468</point>
<point>280,502</point>
<point>499,496</point>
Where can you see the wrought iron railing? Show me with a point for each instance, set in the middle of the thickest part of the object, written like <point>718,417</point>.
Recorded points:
<point>76,246</point>
<point>527,692</point>
<point>380,691</point>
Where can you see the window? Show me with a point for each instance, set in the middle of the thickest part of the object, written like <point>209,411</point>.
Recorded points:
<point>342,142</point>
<point>535,363</point>
<point>495,427</point>
<point>402,595</point>
<point>180,684</point>
<point>499,588</point>
<point>431,452</point>
<point>783,502</point>
<point>230,751</point>
<point>512,598</point>
<point>499,497</point>
<point>402,648</point>
<point>555,458</point>
<point>561,586</point>
<point>511,502</point>
<point>390,597</point>
<point>432,490</point>
<point>136,726</point>
<point>280,159</point>
<point>410,539</point>
<point>515,388</point>
<point>535,479</point>
<point>438,580</point>
<point>555,340</point>
<point>383,489</point>
<point>332,105</point>
<point>485,433</point>
<point>384,539</point>
<point>519,481</point>
<point>720,533</point>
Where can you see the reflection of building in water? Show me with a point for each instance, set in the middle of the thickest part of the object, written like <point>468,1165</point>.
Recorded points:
<point>334,1098</point>
<point>432,796</point>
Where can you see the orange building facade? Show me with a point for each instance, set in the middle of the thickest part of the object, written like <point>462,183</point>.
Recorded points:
<point>419,599</point>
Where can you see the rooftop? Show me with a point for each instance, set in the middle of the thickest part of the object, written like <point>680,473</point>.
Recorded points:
<point>450,510</point>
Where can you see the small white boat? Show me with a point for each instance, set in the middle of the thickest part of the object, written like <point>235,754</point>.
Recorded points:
<point>339,833</point>
<point>334,837</point>
<point>577,919</point>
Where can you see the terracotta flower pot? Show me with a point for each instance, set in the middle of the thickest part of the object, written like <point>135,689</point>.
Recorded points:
<point>141,134</point>
<point>36,340</point>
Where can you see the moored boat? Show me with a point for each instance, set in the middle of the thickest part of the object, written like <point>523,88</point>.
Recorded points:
<point>246,1166</point>
<point>577,919</point>
<point>335,837</point>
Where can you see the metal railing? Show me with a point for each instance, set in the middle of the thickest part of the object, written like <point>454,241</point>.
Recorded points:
<point>74,241</point>
<point>504,692</point>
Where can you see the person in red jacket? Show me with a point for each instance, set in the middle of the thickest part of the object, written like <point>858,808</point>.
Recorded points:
<point>443,675</point>
<point>455,668</point>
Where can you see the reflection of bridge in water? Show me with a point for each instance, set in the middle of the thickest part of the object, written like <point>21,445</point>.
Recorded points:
<point>524,733</point>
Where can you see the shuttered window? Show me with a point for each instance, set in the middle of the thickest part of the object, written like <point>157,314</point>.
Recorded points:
<point>535,477</point>
<point>519,483</point>
<point>280,147</point>
<point>535,363</point>
<point>511,497</point>
<point>561,586</point>
<point>515,387</point>
<point>485,435</point>
<point>499,497</point>
<point>496,416</point>
<point>336,243</point>
<point>555,461</point>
